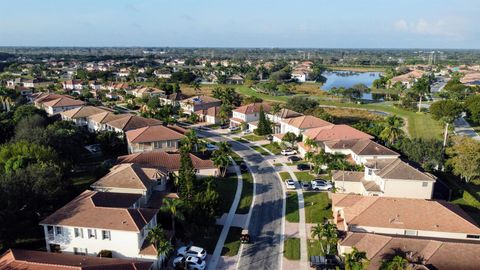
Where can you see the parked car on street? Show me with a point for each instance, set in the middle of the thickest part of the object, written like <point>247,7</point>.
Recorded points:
<point>247,131</point>
<point>290,184</point>
<point>234,128</point>
<point>303,167</point>
<point>288,152</point>
<point>189,262</point>
<point>321,185</point>
<point>193,251</point>
<point>294,158</point>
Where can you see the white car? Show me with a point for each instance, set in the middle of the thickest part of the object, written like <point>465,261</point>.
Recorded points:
<point>290,184</point>
<point>319,184</point>
<point>234,128</point>
<point>247,131</point>
<point>192,251</point>
<point>288,152</point>
<point>190,262</point>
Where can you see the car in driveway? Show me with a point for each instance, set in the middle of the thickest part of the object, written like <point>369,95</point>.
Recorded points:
<point>294,158</point>
<point>326,262</point>
<point>321,185</point>
<point>290,184</point>
<point>303,167</point>
<point>234,128</point>
<point>269,137</point>
<point>247,131</point>
<point>306,186</point>
<point>192,251</point>
<point>288,152</point>
<point>189,262</point>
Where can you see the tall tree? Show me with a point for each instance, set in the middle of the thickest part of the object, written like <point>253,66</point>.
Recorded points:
<point>325,233</point>
<point>264,127</point>
<point>221,157</point>
<point>446,111</point>
<point>392,130</point>
<point>173,207</point>
<point>356,260</point>
<point>465,158</point>
<point>290,137</point>
<point>186,175</point>
<point>420,88</point>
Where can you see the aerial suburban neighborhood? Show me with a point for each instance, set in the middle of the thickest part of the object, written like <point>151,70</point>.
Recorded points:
<point>186,153</point>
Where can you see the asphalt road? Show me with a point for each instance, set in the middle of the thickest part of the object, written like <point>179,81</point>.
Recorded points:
<point>265,226</point>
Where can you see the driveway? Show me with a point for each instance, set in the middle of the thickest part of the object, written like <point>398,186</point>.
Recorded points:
<point>265,226</point>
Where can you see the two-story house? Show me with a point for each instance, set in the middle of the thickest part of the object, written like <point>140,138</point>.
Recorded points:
<point>197,103</point>
<point>248,114</point>
<point>97,221</point>
<point>170,162</point>
<point>149,138</point>
<point>130,122</point>
<point>54,103</point>
<point>73,85</point>
<point>134,179</point>
<point>80,115</point>
<point>210,115</point>
<point>98,122</point>
<point>360,150</point>
<point>297,125</point>
<point>172,99</point>
<point>386,177</point>
<point>147,91</point>
<point>402,216</point>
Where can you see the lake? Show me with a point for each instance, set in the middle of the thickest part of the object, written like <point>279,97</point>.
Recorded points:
<point>348,79</point>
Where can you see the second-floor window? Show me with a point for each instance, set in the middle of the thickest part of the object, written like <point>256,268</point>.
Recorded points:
<point>170,143</point>
<point>79,251</point>
<point>157,145</point>
<point>78,232</point>
<point>106,235</point>
<point>58,230</point>
<point>92,233</point>
<point>424,184</point>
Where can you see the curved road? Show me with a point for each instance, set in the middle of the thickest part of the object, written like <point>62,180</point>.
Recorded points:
<point>265,225</point>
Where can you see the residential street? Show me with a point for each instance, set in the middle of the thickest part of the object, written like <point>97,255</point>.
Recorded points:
<point>265,225</point>
<point>463,128</point>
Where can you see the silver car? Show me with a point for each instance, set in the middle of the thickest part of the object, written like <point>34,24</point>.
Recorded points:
<point>321,185</point>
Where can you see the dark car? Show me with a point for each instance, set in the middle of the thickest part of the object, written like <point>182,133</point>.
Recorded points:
<point>243,167</point>
<point>294,158</point>
<point>303,167</point>
<point>325,262</point>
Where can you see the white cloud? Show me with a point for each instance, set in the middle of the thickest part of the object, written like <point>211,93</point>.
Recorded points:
<point>448,28</point>
<point>401,25</point>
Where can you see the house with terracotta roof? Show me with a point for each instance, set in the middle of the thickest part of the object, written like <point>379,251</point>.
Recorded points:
<point>98,122</point>
<point>134,179</point>
<point>170,162</point>
<point>298,125</point>
<point>248,113</point>
<point>407,79</point>
<point>156,137</point>
<point>197,103</point>
<point>147,91</point>
<point>172,99</point>
<point>391,177</point>
<point>20,259</point>
<point>55,103</point>
<point>421,252</point>
<point>360,150</point>
<point>79,115</point>
<point>403,216</point>
<point>130,122</point>
<point>210,115</point>
<point>96,221</point>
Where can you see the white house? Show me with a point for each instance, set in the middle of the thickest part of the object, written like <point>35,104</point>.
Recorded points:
<point>297,125</point>
<point>72,85</point>
<point>54,103</point>
<point>210,115</point>
<point>98,122</point>
<point>96,221</point>
<point>80,115</point>
<point>248,113</point>
<point>197,103</point>
<point>300,75</point>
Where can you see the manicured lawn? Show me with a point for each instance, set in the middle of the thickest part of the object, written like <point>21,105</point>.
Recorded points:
<point>318,207</point>
<point>241,140</point>
<point>246,91</point>
<point>292,249</point>
<point>314,248</point>
<point>304,176</point>
<point>273,147</point>
<point>226,187</point>
<point>260,150</point>
<point>232,243</point>
<point>291,210</point>
<point>247,194</point>
<point>253,138</point>
<point>284,175</point>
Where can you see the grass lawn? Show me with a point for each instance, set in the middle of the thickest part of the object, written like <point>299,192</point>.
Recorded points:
<point>232,243</point>
<point>253,137</point>
<point>260,150</point>
<point>318,207</point>
<point>247,194</point>
<point>314,248</point>
<point>291,211</point>
<point>304,176</point>
<point>241,140</point>
<point>292,249</point>
<point>284,175</point>
<point>226,187</point>
<point>273,147</point>
<point>246,91</point>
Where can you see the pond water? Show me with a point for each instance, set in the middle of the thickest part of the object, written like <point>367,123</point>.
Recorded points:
<point>348,79</point>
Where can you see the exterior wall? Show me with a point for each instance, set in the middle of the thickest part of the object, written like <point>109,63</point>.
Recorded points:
<point>212,119</point>
<point>408,189</point>
<point>350,187</point>
<point>284,128</point>
<point>142,147</point>
<point>363,159</point>
<point>204,172</point>
<point>55,110</point>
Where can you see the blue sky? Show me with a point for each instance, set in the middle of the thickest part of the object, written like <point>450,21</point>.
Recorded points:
<point>245,23</point>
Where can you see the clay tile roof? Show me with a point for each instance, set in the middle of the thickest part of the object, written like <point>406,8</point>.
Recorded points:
<point>395,168</point>
<point>17,259</point>
<point>164,160</point>
<point>102,210</point>
<point>153,134</point>
<point>202,99</point>
<point>335,132</point>
<point>81,112</point>
<point>105,117</point>
<point>402,213</point>
<point>212,111</point>
<point>55,100</point>
<point>130,122</point>
<point>347,176</point>
<point>252,108</point>
<point>306,122</point>
<point>131,176</point>
<point>434,252</point>
<point>371,148</point>
<point>287,113</point>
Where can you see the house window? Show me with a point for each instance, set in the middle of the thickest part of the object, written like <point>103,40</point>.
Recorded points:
<point>424,184</point>
<point>92,233</point>
<point>58,230</point>
<point>170,144</point>
<point>473,236</point>
<point>106,235</point>
<point>79,251</point>
<point>157,145</point>
<point>78,232</point>
<point>411,232</point>
<point>369,171</point>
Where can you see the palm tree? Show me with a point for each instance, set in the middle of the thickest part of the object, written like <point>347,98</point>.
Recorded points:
<point>310,143</point>
<point>356,260</point>
<point>172,206</point>
<point>397,263</point>
<point>309,158</point>
<point>327,233</point>
<point>190,141</point>
<point>221,157</point>
<point>274,110</point>
<point>393,129</point>
<point>156,235</point>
